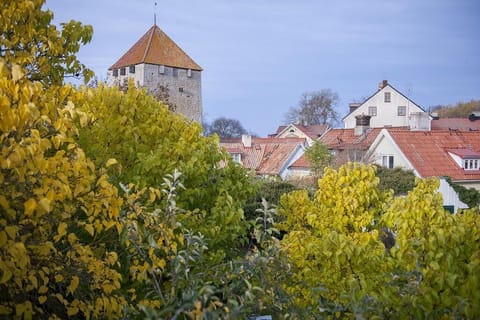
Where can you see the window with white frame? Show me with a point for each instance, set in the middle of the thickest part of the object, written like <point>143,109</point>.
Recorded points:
<point>387,97</point>
<point>387,162</point>
<point>402,110</point>
<point>236,157</point>
<point>471,164</point>
<point>372,111</point>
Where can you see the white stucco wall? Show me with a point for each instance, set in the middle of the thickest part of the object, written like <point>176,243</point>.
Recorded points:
<point>385,147</point>
<point>450,197</point>
<point>387,112</point>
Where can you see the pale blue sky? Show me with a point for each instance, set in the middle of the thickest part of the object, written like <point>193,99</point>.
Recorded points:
<point>260,56</point>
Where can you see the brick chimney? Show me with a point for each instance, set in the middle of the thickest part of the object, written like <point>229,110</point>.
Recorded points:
<point>383,84</point>
<point>362,124</point>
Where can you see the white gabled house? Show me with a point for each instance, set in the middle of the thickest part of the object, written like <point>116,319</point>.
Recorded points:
<point>388,107</point>
<point>441,154</point>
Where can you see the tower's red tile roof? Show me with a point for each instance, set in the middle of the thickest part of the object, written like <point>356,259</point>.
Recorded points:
<point>155,47</point>
<point>427,151</point>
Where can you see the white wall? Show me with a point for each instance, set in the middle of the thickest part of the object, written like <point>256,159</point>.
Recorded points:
<point>387,112</point>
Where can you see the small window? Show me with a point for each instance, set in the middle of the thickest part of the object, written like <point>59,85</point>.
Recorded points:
<point>237,157</point>
<point>115,72</point>
<point>372,111</point>
<point>161,69</point>
<point>175,72</point>
<point>387,97</point>
<point>131,69</point>
<point>471,164</point>
<point>180,89</point>
<point>402,111</point>
<point>387,161</point>
<point>122,71</point>
<point>189,73</point>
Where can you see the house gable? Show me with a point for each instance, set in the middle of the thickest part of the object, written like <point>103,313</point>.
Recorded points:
<point>389,107</point>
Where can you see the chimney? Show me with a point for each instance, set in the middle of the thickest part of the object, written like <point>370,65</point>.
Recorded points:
<point>362,124</point>
<point>247,140</point>
<point>383,84</point>
<point>475,115</point>
<point>353,106</point>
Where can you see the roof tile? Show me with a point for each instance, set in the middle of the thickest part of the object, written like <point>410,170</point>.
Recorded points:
<point>155,47</point>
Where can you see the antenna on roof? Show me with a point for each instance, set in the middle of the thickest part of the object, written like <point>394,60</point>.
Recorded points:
<point>155,14</point>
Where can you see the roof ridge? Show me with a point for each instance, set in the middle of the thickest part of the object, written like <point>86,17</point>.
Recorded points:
<point>149,43</point>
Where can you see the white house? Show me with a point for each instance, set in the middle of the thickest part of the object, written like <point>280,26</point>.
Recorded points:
<point>267,157</point>
<point>441,154</point>
<point>310,132</point>
<point>388,107</point>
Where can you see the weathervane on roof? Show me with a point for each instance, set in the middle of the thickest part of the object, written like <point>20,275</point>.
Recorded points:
<point>155,14</point>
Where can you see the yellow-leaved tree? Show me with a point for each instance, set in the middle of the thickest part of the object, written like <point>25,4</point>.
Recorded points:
<point>356,252</point>
<point>56,209</point>
<point>332,240</point>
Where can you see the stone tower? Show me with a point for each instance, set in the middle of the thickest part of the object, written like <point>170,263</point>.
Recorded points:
<point>156,62</point>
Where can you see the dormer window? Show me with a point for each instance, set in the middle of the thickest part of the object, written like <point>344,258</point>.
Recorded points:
<point>467,159</point>
<point>471,164</point>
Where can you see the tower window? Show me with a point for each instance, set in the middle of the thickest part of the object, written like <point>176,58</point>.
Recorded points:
<point>131,69</point>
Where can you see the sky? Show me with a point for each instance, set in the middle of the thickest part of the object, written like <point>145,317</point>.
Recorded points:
<point>259,57</point>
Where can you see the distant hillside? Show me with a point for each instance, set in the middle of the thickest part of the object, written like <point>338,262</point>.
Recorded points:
<point>459,110</point>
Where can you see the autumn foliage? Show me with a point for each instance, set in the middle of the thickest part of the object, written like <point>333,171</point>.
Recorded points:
<point>113,207</point>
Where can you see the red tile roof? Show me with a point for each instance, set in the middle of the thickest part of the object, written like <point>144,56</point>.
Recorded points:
<point>427,151</point>
<point>301,163</point>
<point>340,139</point>
<point>312,131</point>
<point>155,47</point>
<point>266,156</point>
<point>461,124</point>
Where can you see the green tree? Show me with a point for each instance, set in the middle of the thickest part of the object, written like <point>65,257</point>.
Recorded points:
<point>225,128</point>
<point>30,40</point>
<point>149,142</point>
<point>458,110</point>
<point>399,180</point>
<point>319,157</point>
